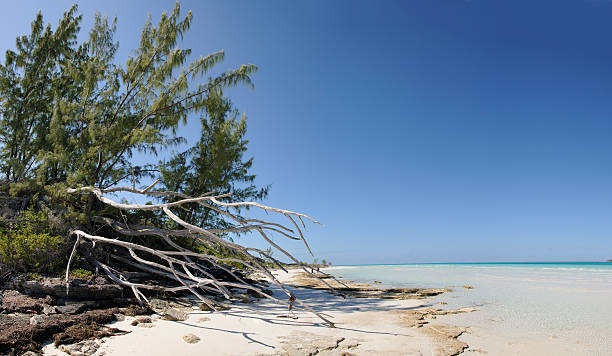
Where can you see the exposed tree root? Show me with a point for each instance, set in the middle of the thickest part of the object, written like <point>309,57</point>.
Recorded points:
<point>190,270</point>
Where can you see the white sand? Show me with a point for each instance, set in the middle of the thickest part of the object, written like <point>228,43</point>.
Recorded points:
<point>249,329</point>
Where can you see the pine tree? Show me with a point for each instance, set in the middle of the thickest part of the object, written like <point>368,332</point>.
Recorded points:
<point>72,115</point>
<point>215,163</point>
<point>29,80</point>
<point>115,111</point>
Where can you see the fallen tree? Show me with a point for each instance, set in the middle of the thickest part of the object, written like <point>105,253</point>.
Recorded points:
<point>191,270</point>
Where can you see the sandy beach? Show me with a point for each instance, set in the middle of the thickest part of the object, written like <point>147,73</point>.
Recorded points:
<point>372,320</point>
<point>363,327</point>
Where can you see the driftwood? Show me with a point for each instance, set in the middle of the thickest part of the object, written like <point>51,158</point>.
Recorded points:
<point>191,269</point>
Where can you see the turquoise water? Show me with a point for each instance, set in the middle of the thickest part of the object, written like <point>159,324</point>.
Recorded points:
<point>567,303</point>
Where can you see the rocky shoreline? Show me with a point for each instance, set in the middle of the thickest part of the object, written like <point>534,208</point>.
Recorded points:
<point>36,311</point>
<point>362,290</point>
<point>445,337</point>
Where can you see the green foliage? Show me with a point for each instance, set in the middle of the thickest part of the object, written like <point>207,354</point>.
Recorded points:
<point>33,276</point>
<point>117,110</point>
<point>28,84</point>
<point>29,245</point>
<point>79,273</point>
<point>214,164</point>
<point>71,115</point>
<point>97,112</point>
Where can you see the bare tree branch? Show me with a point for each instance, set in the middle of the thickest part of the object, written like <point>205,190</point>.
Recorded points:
<point>194,267</point>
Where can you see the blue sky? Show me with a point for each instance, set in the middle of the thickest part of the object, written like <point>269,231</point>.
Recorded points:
<point>416,131</point>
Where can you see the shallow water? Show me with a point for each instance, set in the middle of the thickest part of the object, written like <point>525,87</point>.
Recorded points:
<point>565,305</point>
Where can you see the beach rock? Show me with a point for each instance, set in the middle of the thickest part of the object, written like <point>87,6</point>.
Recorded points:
<point>98,288</point>
<point>16,302</point>
<point>218,306</point>
<point>191,338</point>
<point>136,310</point>
<point>49,309</point>
<point>119,317</point>
<point>71,307</point>
<point>417,317</point>
<point>243,298</point>
<point>144,320</point>
<point>30,353</point>
<point>36,319</point>
<point>83,348</point>
<point>159,304</point>
<point>364,290</point>
<point>205,307</point>
<point>445,340</point>
<point>253,293</point>
<point>174,314</point>
<point>84,331</point>
<point>203,319</point>
<point>444,336</point>
<point>305,343</point>
<point>18,336</point>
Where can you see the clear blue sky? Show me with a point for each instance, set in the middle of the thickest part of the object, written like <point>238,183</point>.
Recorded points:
<point>416,131</point>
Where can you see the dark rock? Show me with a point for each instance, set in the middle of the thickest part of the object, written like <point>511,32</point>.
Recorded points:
<point>218,306</point>
<point>257,295</point>
<point>79,332</point>
<point>72,307</point>
<point>243,298</point>
<point>159,304</point>
<point>136,310</point>
<point>79,289</point>
<point>18,336</point>
<point>13,301</point>
<point>141,321</point>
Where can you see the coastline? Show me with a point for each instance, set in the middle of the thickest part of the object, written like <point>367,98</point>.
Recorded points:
<point>364,326</point>
<point>523,309</point>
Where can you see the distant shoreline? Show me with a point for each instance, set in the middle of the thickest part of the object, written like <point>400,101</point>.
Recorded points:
<point>608,262</point>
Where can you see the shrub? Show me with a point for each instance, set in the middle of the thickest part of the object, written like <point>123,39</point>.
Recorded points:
<point>29,245</point>
<point>79,273</point>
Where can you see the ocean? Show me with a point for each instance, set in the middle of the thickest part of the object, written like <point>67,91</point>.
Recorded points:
<point>522,308</point>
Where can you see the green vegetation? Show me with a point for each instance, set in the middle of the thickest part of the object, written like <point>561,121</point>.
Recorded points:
<point>323,263</point>
<point>29,244</point>
<point>99,113</point>
<point>72,115</point>
<point>33,276</point>
<point>79,273</point>
<point>317,264</point>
